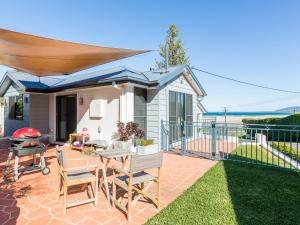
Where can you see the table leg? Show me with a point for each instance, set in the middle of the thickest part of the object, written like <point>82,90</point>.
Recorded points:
<point>8,163</point>
<point>104,171</point>
<point>16,168</point>
<point>124,160</point>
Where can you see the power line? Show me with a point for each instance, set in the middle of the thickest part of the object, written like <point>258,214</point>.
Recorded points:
<point>264,102</point>
<point>246,83</point>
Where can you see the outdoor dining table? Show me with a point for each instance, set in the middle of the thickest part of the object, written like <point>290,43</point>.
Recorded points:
<point>105,157</point>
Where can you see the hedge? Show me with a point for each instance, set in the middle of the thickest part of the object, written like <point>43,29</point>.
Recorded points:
<point>287,150</point>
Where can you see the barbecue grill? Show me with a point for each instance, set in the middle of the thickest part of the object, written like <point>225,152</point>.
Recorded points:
<point>27,141</point>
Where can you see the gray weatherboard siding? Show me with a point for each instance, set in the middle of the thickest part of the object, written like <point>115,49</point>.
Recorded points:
<point>158,105</point>
<point>11,126</point>
<point>35,112</point>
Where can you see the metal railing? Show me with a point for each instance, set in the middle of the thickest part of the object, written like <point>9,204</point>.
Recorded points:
<point>264,144</point>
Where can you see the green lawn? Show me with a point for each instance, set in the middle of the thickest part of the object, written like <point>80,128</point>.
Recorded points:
<point>237,193</point>
<point>253,154</point>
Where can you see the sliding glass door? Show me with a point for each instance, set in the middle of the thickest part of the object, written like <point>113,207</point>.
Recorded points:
<point>66,116</point>
<point>180,110</point>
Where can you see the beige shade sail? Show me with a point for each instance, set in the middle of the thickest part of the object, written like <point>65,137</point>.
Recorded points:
<point>45,57</point>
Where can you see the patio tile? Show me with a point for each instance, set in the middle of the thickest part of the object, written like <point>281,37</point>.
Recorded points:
<point>33,198</point>
<point>44,219</point>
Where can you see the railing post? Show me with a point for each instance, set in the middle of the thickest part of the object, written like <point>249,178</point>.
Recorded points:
<point>162,135</point>
<point>183,138</point>
<point>213,140</point>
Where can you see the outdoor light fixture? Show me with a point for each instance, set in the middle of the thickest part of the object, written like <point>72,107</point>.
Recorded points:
<point>2,102</point>
<point>81,101</point>
<point>181,80</point>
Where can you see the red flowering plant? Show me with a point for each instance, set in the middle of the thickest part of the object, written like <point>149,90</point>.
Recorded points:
<point>129,131</point>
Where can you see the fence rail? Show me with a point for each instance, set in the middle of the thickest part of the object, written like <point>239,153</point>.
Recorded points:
<point>270,145</point>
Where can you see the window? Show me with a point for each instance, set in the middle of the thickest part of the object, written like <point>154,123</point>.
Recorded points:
<point>189,115</point>
<point>140,108</point>
<point>180,109</point>
<point>15,107</point>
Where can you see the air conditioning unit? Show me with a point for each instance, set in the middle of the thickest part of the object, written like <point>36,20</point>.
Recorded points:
<point>97,107</point>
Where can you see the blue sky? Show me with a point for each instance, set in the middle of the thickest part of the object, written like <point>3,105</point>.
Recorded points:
<point>254,41</point>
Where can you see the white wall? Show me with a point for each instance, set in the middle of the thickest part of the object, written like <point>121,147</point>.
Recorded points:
<point>108,122</point>
<point>112,98</point>
<point>127,104</point>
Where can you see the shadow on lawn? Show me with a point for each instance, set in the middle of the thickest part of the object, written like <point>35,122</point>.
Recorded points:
<point>263,195</point>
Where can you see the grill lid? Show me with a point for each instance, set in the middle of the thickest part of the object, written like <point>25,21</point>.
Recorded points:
<point>27,132</point>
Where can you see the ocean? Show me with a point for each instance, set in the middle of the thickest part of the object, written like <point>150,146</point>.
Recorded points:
<point>247,114</point>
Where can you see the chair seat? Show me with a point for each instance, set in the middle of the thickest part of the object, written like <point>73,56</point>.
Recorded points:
<point>138,178</point>
<point>80,174</point>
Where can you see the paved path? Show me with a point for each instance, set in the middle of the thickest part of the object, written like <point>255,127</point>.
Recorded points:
<point>32,199</point>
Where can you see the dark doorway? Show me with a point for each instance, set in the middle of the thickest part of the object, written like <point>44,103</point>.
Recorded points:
<point>66,116</point>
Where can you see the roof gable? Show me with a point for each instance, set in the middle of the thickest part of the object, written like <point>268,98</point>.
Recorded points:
<point>7,81</point>
<point>173,73</point>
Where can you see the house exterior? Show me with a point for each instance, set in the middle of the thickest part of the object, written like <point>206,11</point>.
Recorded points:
<point>64,104</point>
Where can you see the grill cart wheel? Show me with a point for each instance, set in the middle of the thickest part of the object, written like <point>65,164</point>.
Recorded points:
<point>46,171</point>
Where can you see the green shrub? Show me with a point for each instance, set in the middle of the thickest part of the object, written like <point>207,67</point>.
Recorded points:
<point>281,133</point>
<point>286,149</point>
<point>145,142</point>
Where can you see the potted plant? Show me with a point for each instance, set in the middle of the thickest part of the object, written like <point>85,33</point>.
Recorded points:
<point>147,146</point>
<point>126,134</point>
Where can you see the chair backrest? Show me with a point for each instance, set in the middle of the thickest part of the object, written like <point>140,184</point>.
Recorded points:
<point>143,162</point>
<point>60,155</point>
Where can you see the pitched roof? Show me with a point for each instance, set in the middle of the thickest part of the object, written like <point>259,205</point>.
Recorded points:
<point>152,78</point>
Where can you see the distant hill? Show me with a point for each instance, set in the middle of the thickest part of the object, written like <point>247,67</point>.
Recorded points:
<point>291,109</point>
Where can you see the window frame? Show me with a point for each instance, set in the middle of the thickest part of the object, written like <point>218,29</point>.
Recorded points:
<point>144,117</point>
<point>12,107</point>
<point>174,125</point>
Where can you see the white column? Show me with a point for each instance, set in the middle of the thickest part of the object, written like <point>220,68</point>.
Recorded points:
<point>127,104</point>
<point>52,117</point>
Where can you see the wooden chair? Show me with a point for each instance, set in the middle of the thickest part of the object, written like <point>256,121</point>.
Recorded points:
<point>134,179</point>
<point>70,176</point>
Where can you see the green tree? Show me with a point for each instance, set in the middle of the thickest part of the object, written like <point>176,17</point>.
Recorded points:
<point>176,53</point>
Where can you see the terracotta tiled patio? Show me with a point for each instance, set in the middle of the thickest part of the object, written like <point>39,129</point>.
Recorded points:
<point>33,198</point>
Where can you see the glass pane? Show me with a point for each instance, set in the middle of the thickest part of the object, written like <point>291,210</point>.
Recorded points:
<point>15,106</point>
<point>140,108</point>
<point>141,121</point>
<point>19,108</point>
<point>172,103</point>
<point>189,104</point>
<point>189,126</point>
<point>11,107</point>
<point>140,102</point>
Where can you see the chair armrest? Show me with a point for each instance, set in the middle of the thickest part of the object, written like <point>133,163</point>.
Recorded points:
<point>120,170</point>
